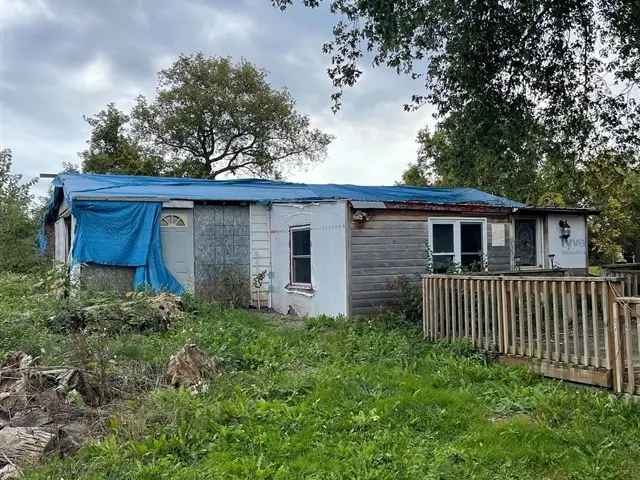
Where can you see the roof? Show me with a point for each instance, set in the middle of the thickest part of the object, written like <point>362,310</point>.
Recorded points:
<point>563,210</point>
<point>95,186</point>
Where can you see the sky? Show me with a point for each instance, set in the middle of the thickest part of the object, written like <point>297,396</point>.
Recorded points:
<point>62,59</point>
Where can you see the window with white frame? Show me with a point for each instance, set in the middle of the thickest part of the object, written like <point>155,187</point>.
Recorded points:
<point>300,248</point>
<point>457,242</point>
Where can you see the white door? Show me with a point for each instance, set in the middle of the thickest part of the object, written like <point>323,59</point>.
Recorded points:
<point>176,231</point>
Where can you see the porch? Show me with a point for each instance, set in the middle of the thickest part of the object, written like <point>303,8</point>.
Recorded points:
<point>580,329</point>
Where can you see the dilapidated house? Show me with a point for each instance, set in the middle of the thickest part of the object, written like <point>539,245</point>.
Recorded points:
<point>322,249</point>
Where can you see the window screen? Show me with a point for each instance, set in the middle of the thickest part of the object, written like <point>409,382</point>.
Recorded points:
<point>471,244</point>
<point>443,247</point>
<point>301,255</point>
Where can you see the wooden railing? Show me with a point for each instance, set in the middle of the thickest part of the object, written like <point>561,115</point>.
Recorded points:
<point>626,315</point>
<point>560,322</point>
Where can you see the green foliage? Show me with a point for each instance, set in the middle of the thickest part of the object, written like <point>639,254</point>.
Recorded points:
<point>530,97</point>
<point>212,116</point>
<point>18,226</point>
<point>112,149</point>
<point>409,307</point>
<point>329,398</point>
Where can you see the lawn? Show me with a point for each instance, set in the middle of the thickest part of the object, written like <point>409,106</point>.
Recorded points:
<point>329,398</point>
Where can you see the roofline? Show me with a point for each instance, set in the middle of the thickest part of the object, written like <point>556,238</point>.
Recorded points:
<point>575,210</point>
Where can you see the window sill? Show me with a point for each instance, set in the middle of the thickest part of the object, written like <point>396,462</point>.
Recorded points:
<point>305,290</point>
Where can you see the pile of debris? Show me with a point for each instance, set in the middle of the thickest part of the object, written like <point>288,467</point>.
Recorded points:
<point>43,411</point>
<point>138,311</point>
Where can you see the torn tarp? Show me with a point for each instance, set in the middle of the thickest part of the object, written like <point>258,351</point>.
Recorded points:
<point>125,234</point>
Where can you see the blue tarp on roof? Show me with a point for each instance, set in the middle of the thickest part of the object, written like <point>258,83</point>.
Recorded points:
<point>255,190</point>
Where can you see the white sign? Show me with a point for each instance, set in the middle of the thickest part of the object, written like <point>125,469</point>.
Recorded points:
<point>498,234</point>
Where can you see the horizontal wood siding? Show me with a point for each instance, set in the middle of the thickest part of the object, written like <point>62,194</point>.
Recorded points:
<point>499,258</point>
<point>391,244</point>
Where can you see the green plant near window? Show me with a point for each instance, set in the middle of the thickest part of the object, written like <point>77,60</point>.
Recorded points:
<point>258,281</point>
<point>428,257</point>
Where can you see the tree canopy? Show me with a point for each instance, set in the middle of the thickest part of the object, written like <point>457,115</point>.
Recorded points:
<point>18,227</point>
<point>211,116</point>
<point>112,148</point>
<point>533,99</point>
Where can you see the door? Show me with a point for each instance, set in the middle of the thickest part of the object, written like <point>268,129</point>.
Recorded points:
<point>526,248</point>
<point>176,232</point>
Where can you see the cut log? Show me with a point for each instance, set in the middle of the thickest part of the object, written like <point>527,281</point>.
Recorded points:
<point>23,445</point>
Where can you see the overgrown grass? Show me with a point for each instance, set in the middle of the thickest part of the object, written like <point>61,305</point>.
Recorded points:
<point>332,398</point>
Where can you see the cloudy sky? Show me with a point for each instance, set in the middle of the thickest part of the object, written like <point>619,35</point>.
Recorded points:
<point>62,59</point>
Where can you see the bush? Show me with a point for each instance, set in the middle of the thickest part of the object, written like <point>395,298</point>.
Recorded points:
<point>410,301</point>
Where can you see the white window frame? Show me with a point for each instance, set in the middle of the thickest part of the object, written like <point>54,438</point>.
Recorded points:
<point>457,241</point>
<point>299,228</point>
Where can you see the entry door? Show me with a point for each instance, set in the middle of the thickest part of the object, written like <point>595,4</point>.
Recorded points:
<point>526,242</point>
<point>176,229</point>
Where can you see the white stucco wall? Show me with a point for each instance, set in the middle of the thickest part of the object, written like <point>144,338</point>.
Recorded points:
<point>329,295</point>
<point>571,253</point>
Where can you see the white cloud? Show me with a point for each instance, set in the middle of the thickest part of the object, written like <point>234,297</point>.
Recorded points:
<point>93,77</point>
<point>16,12</point>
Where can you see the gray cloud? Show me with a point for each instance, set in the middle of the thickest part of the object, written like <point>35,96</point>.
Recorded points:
<point>62,59</point>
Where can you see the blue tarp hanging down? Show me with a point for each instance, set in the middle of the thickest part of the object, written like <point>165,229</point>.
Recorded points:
<point>123,234</point>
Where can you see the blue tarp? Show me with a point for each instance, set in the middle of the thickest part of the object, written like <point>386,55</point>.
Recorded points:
<point>123,234</point>
<point>256,190</point>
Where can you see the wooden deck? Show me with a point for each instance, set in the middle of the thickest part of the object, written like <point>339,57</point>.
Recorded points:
<point>574,328</point>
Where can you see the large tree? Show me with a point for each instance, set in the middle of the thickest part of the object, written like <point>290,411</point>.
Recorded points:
<point>18,226</point>
<point>531,97</point>
<point>211,117</point>
<point>112,149</point>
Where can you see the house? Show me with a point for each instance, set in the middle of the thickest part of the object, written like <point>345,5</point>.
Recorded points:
<point>325,249</point>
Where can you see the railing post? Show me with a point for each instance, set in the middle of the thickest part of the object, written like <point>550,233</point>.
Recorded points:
<point>504,341</point>
<point>615,342</point>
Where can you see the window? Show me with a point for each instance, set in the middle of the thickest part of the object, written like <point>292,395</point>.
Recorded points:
<point>457,242</point>
<point>300,247</point>
<point>172,220</point>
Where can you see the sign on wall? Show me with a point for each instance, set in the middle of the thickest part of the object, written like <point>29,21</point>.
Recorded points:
<point>567,240</point>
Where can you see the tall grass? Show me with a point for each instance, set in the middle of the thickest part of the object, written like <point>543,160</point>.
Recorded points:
<point>342,399</point>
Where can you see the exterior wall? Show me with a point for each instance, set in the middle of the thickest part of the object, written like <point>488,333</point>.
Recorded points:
<point>329,240</point>
<point>392,245</point>
<point>571,254</point>
<point>499,244</point>
<point>61,248</point>
<point>106,278</point>
<point>260,225</point>
<point>222,244</point>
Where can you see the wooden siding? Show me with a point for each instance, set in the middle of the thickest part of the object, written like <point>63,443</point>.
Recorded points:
<point>391,244</point>
<point>260,253</point>
<point>499,258</point>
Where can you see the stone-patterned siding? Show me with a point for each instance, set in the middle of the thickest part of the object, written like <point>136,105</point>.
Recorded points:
<point>106,278</point>
<point>222,248</point>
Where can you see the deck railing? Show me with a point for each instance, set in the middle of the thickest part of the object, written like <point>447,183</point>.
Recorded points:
<point>626,314</point>
<point>562,323</point>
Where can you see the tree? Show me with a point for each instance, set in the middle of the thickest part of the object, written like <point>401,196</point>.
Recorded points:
<point>213,117</point>
<point>530,97</point>
<point>18,227</point>
<point>113,150</point>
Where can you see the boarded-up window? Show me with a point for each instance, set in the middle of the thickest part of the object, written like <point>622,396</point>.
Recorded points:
<point>300,242</point>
